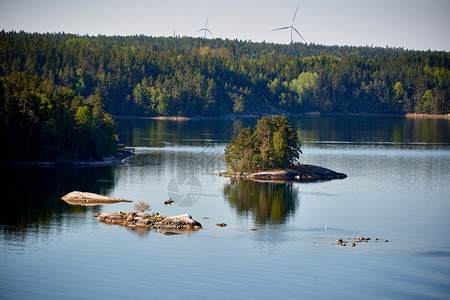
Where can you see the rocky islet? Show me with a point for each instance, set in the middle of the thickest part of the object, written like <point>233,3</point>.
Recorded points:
<point>298,172</point>
<point>149,221</point>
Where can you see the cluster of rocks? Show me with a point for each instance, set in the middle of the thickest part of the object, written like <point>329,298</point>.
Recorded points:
<point>354,241</point>
<point>299,172</point>
<point>145,220</point>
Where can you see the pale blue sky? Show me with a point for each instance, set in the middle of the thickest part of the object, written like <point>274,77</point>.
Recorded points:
<point>411,24</point>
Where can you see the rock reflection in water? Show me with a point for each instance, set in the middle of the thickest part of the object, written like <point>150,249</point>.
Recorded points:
<point>32,196</point>
<point>146,232</point>
<point>268,202</point>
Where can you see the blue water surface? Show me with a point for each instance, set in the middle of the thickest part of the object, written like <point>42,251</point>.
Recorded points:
<point>397,189</point>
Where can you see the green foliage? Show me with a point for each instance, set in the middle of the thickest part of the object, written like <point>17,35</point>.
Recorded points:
<point>42,121</point>
<point>399,91</point>
<point>306,86</point>
<point>273,144</point>
<point>139,75</point>
<point>431,102</point>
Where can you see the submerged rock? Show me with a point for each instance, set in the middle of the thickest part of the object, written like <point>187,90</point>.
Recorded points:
<point>84,198</point>
<point>355,240</point>
<point>144,220</point>
<point>170,233</point>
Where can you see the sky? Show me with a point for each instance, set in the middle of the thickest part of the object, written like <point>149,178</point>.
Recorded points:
<point>411,24</point>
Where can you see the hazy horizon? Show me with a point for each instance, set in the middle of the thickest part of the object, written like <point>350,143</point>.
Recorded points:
<point>414,25</point>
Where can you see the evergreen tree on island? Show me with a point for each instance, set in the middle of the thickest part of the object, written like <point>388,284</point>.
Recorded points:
<point>273,144</point>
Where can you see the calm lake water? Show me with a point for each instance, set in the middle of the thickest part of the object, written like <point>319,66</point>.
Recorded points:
<point>398,189</point>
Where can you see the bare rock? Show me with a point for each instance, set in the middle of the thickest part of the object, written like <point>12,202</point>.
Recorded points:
<point>87,199</point>
<point>149,221</point>
<point>181,221</point>
<point>298,172</point>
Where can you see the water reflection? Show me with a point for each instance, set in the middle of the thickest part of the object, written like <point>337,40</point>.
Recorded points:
<point>163,133</point>
<point>360,130</point>
<point>140,232</point>
<point>146,232</point>
<point>31,197</point>
<point>395,132</point>
<point>268,202</point>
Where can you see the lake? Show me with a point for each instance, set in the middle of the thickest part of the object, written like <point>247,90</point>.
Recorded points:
<point>397,189</point>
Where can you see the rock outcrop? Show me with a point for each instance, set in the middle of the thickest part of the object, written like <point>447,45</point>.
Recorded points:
<point>144,220</point>
<point>84,198</point>
<point>299,172</point>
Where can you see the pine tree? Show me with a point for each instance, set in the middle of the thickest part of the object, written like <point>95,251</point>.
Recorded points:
<point>272,144</point>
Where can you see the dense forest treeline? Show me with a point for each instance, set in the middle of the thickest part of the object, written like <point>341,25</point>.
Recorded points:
<point>140,75</point>
<point>43,122</point>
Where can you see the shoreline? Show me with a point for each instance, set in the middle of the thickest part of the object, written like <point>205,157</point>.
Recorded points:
<point>447,116</point>
<point>310,114</point>
<point>176,118</point>
<point>114,160</point>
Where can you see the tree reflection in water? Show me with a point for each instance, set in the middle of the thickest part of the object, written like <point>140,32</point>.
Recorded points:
<point>268,202</point>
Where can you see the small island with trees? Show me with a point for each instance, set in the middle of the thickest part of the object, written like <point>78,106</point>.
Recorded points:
<point>269,152</point>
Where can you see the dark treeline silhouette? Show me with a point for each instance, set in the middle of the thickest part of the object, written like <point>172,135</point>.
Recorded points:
<point>140,75</point>
<point>41,121</point>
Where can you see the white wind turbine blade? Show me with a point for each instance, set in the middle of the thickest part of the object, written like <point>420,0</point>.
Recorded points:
<point>209,31</point>
<point>201,29</point>
<point>282,28</point>
<point>299,34</point>
<point>295,14</point>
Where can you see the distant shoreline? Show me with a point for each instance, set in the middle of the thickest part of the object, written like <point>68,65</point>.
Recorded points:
<point>447,116</point>
<point>306,114</point>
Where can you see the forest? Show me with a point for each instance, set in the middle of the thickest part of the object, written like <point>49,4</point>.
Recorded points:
<point>184,76</point>
<point>59,92</point>
<point>43,122</point>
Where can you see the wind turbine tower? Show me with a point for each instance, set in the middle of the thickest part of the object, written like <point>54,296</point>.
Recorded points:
<point>291,27</point>
<point>205,29</point>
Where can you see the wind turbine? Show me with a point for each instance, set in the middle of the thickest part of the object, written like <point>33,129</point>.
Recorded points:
<point>291,27</point>
<point>205,29</point>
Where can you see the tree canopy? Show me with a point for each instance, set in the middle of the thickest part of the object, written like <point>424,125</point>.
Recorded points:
<point>166,76</point>
<point>42,121</point>
<point>272,144</point>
